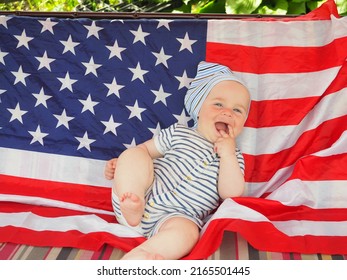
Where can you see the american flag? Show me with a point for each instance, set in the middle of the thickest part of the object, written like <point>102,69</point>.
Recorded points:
<point>77,92</point>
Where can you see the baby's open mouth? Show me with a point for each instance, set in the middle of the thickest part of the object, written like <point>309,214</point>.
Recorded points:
<point>222,126</point>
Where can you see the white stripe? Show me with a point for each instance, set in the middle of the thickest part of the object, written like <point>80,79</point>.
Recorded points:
<point>276,33</point>
<point>279,178</point>
<point>32,200</point>
<point>339,147</point>
<point>258,189</point>
<point>53,167</point>
<point>84,223</point>
<point>270,140</point>
<point>231,209</point>
<point>314,194</point>
<point>315,228</point>
<point>289,85</point>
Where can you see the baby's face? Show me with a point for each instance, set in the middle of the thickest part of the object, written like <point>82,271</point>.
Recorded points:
<point>225,107</point>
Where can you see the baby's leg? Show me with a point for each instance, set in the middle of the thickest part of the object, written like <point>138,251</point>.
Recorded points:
<point>175,239</point>
<point>133,176</point>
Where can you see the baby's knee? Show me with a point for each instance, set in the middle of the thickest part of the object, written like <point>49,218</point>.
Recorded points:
<point>187,228</point>
<point>193,232</point>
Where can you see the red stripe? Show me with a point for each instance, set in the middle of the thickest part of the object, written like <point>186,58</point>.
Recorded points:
<point>261,168</point>
<point>324,12</point>
<point>73,238</point>
<point>48,212</point>
<point>276,211</point>
<point>267,113</point>
<point>90,196</point>
<point>278,59</point>
<point>265,237</point>
<point>313,168</point>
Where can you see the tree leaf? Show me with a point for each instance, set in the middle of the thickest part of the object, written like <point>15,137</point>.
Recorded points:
<point>280,8</point>
<point>242,6</point>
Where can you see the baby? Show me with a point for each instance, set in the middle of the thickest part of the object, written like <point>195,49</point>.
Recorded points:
<point>166,187</point>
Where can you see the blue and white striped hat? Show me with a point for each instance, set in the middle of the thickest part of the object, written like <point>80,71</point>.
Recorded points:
<point>207,76</point>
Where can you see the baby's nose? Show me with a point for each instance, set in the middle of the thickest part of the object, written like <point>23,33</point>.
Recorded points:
<point>227,113</point>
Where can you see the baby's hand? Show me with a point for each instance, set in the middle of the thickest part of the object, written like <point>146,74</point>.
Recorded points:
<point>110,168</point>
<point>225,145</point>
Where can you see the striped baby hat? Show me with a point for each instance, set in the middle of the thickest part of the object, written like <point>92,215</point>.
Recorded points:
<point>208,75</point>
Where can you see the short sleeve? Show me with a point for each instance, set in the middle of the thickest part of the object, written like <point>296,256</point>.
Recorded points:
<point>241,160</point>
<point>163,140</point>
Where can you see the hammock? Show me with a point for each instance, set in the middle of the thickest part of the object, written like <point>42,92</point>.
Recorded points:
<point>77,92</point>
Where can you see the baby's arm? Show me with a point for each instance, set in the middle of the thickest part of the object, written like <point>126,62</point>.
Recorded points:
<point>231,182</point>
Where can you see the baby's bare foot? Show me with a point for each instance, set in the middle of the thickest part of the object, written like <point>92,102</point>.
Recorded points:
<point>132,208</point>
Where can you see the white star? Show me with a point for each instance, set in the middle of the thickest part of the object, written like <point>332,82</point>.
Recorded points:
<point>114,88</point>
<point>186,43</point>
<point>115,50</point>
<point>23,40</point>
<point>131,145</point>
<point>63,119</point>
<point>3,21</point>
<point>37,135</point>
<point>67,82</point>
<point>136,111</point>
<point>47,25</point>
<point>160,95</point>
<point>184,80</point>
<point>91,67</point>
<point>111,126</point>
<point>162,57</point>
<point>139,35</point>
<point>138,72</point>
<point>155,131</point>
<point>165,23</point>
<point>117,20</point>
<point>20,76</point>
<point>1,92</point>
<point>69,45</point>
<point>93,30</point>
<point>182,119</point>
<point>41,98</point>
<point>2,55</point>
<point>45,61</point>
<point>17,114</point>
<point>88,104</point>
<point>84,142</point>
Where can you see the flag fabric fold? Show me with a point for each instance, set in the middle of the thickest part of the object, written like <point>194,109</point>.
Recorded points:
<point>77,92</point>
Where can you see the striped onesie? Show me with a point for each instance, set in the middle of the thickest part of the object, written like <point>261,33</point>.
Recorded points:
<point>185,180</point>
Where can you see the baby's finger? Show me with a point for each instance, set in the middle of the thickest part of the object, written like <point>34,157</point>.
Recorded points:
<point>215,149</point>
<point>231,131</point>
<point>223,134</point>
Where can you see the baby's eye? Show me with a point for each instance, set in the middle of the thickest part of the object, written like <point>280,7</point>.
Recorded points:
<point>237,110</point>
<point>218,104</point>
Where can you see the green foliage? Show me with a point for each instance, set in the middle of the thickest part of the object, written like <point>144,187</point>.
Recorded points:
<point>273,7</point>
<point>39,5</point>
<point>342,7</point>
<point>269,7</point>
<point>242,6</point>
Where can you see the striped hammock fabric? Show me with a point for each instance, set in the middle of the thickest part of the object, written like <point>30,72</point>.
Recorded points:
<point>77,92</point>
